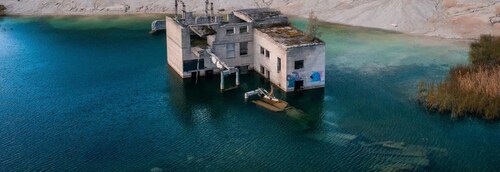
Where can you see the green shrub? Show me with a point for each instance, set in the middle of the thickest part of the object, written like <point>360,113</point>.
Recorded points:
<point>486,51</point>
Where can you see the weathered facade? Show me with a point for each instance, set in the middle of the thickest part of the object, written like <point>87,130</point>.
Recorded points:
<point>249,39</point>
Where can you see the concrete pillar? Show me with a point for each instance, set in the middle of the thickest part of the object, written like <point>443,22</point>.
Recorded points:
<point>222,80</point>
<point>218,19</point>
<point>189,18</point>
<point>237,77</point>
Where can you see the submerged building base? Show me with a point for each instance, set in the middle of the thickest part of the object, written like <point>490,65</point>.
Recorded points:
<point>250,39</point>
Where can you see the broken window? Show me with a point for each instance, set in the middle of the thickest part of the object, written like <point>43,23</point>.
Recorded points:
<point>193,65</point>
<point>299,64</point>
<point>279,65</point>
<point>243,29</point>
<point>230,31</point>
<point>243,48</point>
<point>230,50</point>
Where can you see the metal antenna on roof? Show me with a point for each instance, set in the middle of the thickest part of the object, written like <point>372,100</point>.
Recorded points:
<point>176,9</point>
<point>212,15</point>
<point>206,8</point>
<point>183,10</point>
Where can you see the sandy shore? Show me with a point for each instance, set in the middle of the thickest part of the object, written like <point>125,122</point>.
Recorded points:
<point>458,19</point>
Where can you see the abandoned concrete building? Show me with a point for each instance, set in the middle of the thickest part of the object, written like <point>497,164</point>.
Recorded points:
<point>248,39</point>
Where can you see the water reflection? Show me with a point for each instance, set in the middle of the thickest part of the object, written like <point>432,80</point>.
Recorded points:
<point>201,101</point>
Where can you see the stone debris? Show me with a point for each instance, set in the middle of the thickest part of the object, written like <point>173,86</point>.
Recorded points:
<point>387,155</point>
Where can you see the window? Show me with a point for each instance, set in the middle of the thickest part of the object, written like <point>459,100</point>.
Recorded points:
<point>193,65</point>
<point>243,29</point>
<point>279,65</point>
<point>262,50</point>
<point>230,50</point>
<point>267,53</point>
<point>262,69</point>
<point>230,31</point>
<point>299,64</point>
<point>243,48</point>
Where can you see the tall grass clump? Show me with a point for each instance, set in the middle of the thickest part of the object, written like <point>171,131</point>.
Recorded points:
<point>470,90</point>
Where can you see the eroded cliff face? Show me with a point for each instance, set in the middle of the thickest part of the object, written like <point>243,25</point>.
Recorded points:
<point>441,18</point>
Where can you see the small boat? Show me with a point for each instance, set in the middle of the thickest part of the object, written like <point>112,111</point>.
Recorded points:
<point>267,100</point>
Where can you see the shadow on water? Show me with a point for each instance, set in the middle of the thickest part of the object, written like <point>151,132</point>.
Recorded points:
<point>188,95</point>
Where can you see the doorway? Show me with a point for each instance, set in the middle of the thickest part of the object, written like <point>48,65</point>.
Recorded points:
<point>195,75</point>
<point>209,73</point>
<point>299,85</point>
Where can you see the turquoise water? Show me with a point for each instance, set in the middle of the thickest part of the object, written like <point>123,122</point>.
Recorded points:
<point>95,94</point>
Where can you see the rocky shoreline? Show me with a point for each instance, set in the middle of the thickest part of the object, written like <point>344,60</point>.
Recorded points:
<point>456,19</point>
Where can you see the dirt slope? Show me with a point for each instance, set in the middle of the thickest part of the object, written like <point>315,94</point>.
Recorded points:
<point>441,18</point>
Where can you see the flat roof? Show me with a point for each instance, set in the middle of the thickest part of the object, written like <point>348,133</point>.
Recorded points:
<point>256,14</point>
<point>289,36</point>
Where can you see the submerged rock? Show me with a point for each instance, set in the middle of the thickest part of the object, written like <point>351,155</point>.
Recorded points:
<point>397,156</point>
<point>339,139</point>
<point>386,155</point>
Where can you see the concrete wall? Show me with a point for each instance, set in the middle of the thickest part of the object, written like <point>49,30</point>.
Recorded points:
<point>178,45</point>
<point>313,73</point>
<point>271,63</point>
<point>221,40</point>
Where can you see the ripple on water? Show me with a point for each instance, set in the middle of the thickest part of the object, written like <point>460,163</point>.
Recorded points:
<point>94,94</point>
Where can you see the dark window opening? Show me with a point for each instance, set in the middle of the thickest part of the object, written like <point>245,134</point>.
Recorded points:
<point>209,73</point>
<point>268,54</point>
<point>279,65</point>
<point>262,69</point>
<point>243,48</point>
<point>229,31</point>
<point>244,29</point>
<point>230,50</point>
<point>191,65</point>
<point>262,50</point>
<point>197,41</point>
<point>299,64</point>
